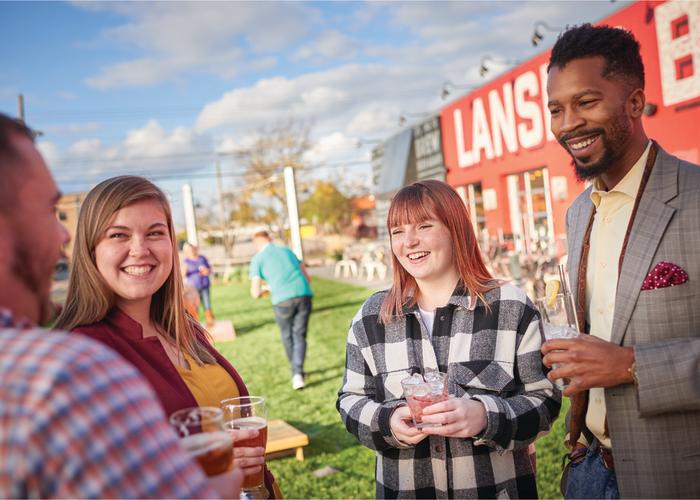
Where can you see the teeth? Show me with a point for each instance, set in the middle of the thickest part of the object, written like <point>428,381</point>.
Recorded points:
<point>417,255</point>
<point>137,270</point>
<point>584,143</point>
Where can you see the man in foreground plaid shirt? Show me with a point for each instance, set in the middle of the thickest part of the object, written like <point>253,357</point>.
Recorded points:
<point>76,421</point>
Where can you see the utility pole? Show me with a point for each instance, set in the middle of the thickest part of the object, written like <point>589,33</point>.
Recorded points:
<point>222,212</point>
<point>294,229</point>
<point>20,107</point>
<point>190,221</point>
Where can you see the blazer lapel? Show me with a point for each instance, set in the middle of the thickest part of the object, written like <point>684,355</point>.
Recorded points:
<point>653,216</point>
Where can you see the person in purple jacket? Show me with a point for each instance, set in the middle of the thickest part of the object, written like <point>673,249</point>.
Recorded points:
<point>196,270</point>
<point>126,291</point>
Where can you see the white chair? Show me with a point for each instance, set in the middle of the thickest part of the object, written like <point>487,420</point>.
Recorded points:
<point>347,267</point>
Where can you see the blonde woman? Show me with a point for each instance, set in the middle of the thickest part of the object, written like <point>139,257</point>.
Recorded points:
<point>126,291</point>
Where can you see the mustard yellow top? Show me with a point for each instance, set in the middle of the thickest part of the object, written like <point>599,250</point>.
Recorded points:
<point>209,384</point>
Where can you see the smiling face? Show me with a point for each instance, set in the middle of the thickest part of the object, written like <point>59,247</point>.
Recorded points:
<point>135,254</point>
<point>590,115</point>
<point>424,250</point>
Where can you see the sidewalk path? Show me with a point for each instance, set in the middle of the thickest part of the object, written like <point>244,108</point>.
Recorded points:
<point>326,272</point>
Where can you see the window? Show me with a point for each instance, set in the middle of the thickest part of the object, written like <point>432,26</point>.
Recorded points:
<point>684,67</point>
<point>680,27</point>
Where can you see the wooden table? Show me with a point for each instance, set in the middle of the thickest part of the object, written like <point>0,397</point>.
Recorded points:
<point>284,440</point>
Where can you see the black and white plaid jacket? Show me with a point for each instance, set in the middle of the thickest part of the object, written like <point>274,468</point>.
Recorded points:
<point>490,356</point>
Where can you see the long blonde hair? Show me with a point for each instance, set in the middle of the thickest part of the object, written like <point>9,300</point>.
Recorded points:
<point>90,299</point>
<point>425,200</point>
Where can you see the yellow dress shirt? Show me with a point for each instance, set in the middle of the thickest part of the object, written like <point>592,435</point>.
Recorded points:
<point>613,212</point>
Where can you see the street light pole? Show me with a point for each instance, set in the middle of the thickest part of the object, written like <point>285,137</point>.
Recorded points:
<point>293,211</point>
<point>20,107</point>
<point>190,221</point>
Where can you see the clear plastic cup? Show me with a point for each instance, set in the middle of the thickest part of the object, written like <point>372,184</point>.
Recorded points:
<point>422,391</point>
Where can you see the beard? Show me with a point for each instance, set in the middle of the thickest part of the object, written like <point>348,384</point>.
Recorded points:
<point>26,267</point>
<point>614,140</point>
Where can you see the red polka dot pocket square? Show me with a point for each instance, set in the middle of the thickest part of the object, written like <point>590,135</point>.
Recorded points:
<point>663,275</point>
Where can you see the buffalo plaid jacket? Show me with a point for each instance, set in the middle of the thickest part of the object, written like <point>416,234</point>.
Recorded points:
<point>490,356</point>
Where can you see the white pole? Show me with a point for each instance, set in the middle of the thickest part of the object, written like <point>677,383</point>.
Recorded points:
<point>190,221</point>
<point>294,229</point>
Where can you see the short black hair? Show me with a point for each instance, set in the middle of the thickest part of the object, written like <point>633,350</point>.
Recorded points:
<point>10,168</point>
<point>617,46</point>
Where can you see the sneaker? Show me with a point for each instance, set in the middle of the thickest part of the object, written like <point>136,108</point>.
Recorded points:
<point>297,381</point>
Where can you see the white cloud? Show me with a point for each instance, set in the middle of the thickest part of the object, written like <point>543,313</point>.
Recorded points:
<point>177,37</point>
<point>323,97</point>
<point>85,148</point>
<point>332,96</point>
<point>371,121</point>
<point>332,147</point>
<point>329,45</point>
<point>148,150</point>
<point>138,72</point>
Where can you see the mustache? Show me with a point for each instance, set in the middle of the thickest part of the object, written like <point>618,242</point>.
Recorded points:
<point>580,133</point>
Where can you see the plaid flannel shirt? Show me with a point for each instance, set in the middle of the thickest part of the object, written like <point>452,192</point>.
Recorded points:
<point>76,421</point>
<point>493,357</point>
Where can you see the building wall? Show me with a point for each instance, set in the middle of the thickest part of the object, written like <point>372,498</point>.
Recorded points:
<point>502,128</point>
<point>67,212</point>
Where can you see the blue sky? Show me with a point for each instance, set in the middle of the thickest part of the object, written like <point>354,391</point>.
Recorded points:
<point>158,88</point>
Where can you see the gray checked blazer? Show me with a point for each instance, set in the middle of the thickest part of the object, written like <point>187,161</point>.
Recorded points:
<point>655,426</point>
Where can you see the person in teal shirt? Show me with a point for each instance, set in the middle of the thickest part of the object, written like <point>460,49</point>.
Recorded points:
<point>289,285</point>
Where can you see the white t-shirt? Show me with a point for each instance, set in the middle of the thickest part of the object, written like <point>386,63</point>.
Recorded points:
<point>428,318</point>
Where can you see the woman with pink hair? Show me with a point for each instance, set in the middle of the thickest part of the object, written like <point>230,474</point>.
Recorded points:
<point>446,313</point>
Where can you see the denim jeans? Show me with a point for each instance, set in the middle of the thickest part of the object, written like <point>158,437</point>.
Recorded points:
<point>590,479</point>
<point>292,316</point>
<point>204,298</point>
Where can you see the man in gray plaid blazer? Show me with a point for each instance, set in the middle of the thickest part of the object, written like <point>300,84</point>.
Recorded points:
<point>634,267</point>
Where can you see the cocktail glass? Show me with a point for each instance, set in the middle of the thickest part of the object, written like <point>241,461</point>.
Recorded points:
<point>422,391</point>
<point>558,321</point>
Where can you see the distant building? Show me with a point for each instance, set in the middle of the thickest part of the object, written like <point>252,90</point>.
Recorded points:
<point>413,154</point>
<point>363,217</point>
<point>68,209</point>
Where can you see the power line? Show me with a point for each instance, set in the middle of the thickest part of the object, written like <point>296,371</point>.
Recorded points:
<point>208,175</point>
<point>133,163</point>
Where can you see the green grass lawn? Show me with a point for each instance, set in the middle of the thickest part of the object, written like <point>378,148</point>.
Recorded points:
<point>258,355</point>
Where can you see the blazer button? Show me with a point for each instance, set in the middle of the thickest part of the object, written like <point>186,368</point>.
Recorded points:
<point>438,448</point>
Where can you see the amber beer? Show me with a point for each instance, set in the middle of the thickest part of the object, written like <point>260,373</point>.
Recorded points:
<point>212,450</point>
<point>259,424</point>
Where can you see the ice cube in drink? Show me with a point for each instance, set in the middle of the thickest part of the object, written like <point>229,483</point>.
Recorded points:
<point>552,332</point>
<point>421,392</point>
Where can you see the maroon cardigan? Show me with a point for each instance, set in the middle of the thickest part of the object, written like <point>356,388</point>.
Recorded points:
<point>125,336</point>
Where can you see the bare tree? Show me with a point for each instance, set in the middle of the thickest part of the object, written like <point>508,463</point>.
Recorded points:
<point>275,148</point>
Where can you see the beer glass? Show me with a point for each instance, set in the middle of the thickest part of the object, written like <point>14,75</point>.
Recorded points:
<point>204,437</point>
<point>248,412</point>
